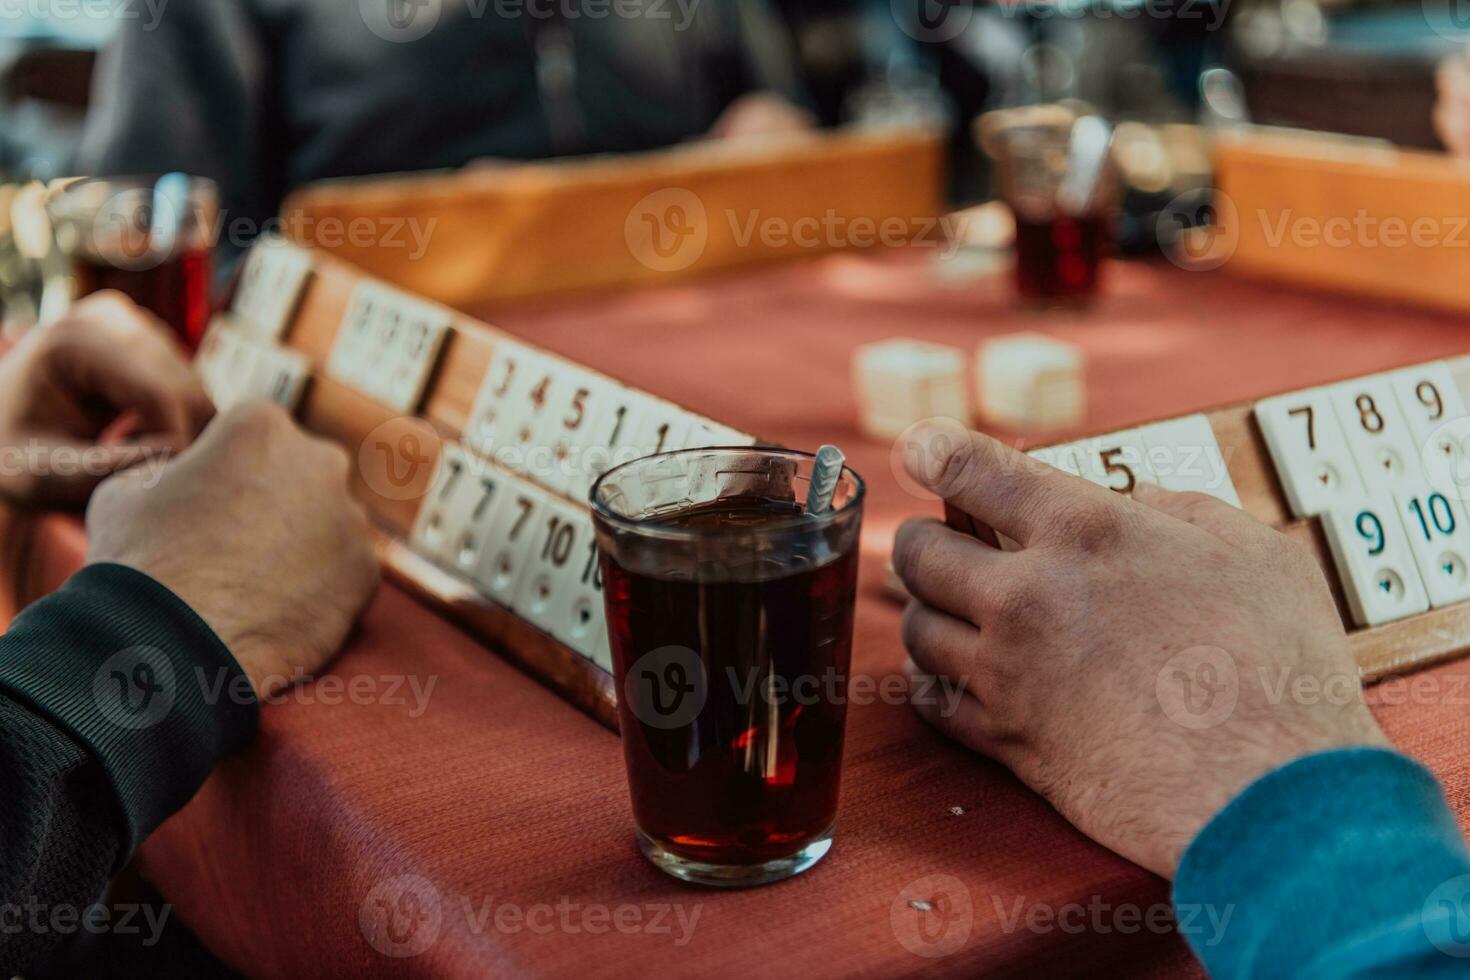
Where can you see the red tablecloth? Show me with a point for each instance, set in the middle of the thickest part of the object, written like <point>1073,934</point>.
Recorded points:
<point>498,796</point>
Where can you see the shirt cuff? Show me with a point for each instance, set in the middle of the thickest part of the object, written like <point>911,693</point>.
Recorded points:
<point>139,680</point>
<point>1315,858</point>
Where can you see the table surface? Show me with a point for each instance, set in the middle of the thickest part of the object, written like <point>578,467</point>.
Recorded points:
<point>498,795</point>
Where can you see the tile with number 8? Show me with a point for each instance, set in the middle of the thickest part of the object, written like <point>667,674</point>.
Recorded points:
<point>1377,434</point>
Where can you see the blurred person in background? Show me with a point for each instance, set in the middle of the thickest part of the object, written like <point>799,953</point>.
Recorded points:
<point>1452,111</point>
<point>263,96</point>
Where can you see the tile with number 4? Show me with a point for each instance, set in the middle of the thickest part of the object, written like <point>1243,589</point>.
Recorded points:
<point>1375,560</point>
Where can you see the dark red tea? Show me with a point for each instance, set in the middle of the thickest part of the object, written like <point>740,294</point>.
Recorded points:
<point>1059,258</point>
<point>176,290</point>
<point>748,771</point>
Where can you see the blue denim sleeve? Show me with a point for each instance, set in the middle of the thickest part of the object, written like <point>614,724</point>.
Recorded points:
<point>1341,864</point>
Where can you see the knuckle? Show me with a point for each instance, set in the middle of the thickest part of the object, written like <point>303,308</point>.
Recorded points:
<point>1090,526</point>
<point>1015,604</point>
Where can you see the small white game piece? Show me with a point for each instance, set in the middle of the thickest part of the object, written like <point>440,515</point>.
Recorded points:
<point>513,526</point>
<point>1031,381</point>
<point>579,619</point>
<point>1373,556</point>
<point>1184,455</point>
<point>1311,454</point>
<point>1377,434</point>
<point>1118,460</point>
<point>270,286</point>
<point>1439,536</point>
<point>552,565</point>
<point>900,382</point>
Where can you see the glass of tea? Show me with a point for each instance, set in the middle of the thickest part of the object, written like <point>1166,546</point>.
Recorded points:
<point>1054,171</point>
<point>730,611</point>
<point>148,237</point>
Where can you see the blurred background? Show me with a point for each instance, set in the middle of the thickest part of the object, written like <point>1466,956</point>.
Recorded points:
<point>1365,68</point>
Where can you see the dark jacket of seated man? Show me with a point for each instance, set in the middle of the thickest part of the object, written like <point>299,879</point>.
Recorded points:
<point>266,95</point>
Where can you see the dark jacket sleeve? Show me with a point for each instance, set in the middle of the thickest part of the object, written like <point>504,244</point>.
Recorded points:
<point>116,701</point>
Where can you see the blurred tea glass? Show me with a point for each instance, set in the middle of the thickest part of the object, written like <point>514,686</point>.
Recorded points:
<point>1054,170</point>
<point>151,238</point>
<point>730,616</point>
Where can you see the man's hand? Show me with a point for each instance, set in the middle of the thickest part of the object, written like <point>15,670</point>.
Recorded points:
<point>253,527</point>
<point>760,114</point>
<point>1452,110</point>
<point>63,385</point>
<point>1135,662</point>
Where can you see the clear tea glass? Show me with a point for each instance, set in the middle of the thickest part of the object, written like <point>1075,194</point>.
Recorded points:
<point>730,615</point>
<point>150,238</point>
<point>1063,232</point>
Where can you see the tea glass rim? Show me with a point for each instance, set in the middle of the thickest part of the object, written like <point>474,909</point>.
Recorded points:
<point>797,522</point>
